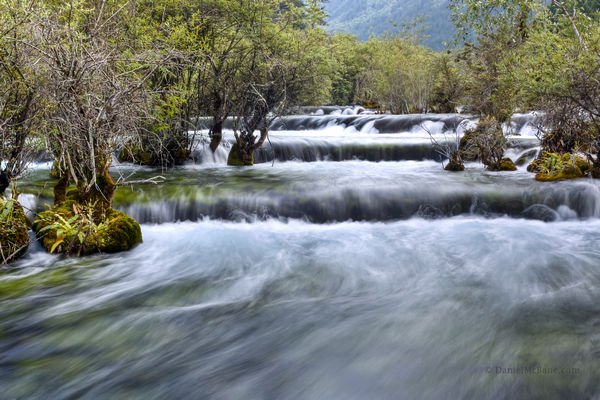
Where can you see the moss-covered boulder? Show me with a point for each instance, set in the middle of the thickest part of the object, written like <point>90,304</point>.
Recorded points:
<point>14,228</point>
<point>558,167</point>
<point>236,158</point>
<point>506,164</point>
<point>569,172</point>
<point>70,228</point>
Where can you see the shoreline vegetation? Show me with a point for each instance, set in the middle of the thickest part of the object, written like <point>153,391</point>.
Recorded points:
<point>86,80</point>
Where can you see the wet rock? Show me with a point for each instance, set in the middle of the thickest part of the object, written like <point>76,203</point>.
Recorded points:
<point>506,164</point>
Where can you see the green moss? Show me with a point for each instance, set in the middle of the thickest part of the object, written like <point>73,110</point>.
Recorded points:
<point>67,229</point>
<point>119,233</point>
<point>506,164</point>
<point>569,172</point>
<point>235,157</point>
<point>556,167</point>
<point>584,166</point>
<point>14,228</point>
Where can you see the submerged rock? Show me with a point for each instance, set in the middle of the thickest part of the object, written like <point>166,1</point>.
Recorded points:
<point>69,229</point>
<point>14,227</point>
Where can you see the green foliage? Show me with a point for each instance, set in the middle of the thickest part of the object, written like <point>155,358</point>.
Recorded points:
<point>448,84</point>
<point>398,76</point>
<point>486,18</point>
<point>555,166</point>
<point>70,228</point>
<point>14,239</point>
<point>72,232</point>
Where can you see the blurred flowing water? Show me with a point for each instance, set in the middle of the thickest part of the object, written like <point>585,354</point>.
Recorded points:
<point>330,279</point>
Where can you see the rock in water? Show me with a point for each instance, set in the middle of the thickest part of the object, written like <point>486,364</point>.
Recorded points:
<point>68,229</point>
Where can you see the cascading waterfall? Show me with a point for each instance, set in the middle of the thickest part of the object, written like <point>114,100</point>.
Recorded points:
<point>346,264</point>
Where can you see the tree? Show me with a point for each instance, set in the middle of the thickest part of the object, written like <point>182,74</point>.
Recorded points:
<point>499,28</point>
<point>277,74</point>
<point>562,77</point>
<point>398,75</point>
<point>94,93</point>
<point>19,91</point>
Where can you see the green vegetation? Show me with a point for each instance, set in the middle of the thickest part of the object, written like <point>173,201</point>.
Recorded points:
<point>528,55</point>
<point>70,229</point>
<point>14,239</point>
<point>89,78</point>
<point>556,167</point>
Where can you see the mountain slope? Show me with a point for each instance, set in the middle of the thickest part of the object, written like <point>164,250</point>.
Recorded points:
<point>365,17</point>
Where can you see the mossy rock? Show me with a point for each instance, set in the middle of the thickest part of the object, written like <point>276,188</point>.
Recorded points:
<point>63,229</point>
<point>14,228</point>
<point>120,233</point>
<point>581,169</point>
<point>506,164</point>
<point>235,157</point>
<point>569,172</point>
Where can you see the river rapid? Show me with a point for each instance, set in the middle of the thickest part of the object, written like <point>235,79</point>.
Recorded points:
<point>319,274</point>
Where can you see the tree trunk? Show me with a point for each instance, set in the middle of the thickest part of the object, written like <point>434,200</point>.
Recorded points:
<point>4,182</point>
<point>216,134</point>
<point>60,189</point>
<point>99,196</point>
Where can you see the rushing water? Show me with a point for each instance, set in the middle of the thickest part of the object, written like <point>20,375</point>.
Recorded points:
<point>353,279</point>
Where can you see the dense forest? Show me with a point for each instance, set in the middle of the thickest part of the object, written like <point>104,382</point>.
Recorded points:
<point>83,80</point>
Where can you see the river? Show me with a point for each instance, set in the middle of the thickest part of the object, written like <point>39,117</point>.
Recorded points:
<point>345,265</point>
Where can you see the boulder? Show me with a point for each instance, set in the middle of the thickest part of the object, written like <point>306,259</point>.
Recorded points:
<point>68,228</point>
